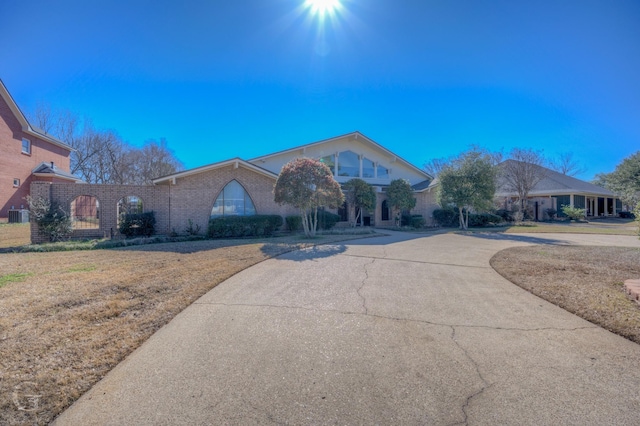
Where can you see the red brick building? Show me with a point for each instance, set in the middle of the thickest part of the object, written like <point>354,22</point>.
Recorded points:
<point>27,154</point>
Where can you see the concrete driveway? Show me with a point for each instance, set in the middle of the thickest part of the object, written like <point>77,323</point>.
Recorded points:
<point>402,329</point>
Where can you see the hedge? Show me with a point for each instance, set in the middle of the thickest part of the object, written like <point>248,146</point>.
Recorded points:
<point>137,224</point>
<point>244,226</point>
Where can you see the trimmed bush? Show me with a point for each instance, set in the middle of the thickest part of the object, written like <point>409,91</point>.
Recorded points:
<point>446,217</point>
<point>326,220</point>
<point>573,213</point>
<point>137,224</point>
<point>506,215</point>
<point>627,215</point>
<point>417,221</point>
<point>483,219</point>
<point>244,226</point>
<point>294,223</point>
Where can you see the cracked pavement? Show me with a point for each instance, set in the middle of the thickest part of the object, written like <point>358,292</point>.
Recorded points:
<point>400,329</point>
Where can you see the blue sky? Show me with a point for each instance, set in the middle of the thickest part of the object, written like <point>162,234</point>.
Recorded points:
<point>424,78</point>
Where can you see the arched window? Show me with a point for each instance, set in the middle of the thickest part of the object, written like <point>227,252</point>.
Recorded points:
<point>233,200</point>
<point>129,205</point>
<point>385,210</point>
<point>85,212</point>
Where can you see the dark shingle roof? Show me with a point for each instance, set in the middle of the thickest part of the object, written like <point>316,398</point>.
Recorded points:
<point>555,183</point>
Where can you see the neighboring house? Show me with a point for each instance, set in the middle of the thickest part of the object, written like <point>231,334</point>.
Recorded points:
<point>556,190</point>
<point>240,187</point>
<point>27,154</point>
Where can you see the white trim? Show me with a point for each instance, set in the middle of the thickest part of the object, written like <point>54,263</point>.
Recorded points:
<point>22,119</point>
<point>356,135</point>
<point>235,162</point>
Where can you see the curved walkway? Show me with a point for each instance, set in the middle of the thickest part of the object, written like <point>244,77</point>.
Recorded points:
<point>401,329</point>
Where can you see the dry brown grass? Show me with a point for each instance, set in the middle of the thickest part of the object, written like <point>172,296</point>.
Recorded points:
<point>67,318</point>
<point>14,234</point>
<point>587,281</point>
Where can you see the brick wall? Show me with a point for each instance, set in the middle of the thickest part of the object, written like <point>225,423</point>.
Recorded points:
<point>192,197</point>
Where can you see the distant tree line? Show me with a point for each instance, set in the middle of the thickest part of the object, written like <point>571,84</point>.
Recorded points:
<point>102,156</point>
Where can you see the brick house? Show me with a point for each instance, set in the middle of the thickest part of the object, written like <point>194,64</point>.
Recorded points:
<point>239,187</point>
<point>243,187</point>
<point>27,154</point>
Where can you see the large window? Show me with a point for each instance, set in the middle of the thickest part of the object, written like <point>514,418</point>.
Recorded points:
<point>85,212</point>
<point>368,168</point>
<point>348,164</point>
<point>383,172</point>
<point>233,201</point>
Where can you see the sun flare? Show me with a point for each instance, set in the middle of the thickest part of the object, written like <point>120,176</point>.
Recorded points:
<point>322,6</point>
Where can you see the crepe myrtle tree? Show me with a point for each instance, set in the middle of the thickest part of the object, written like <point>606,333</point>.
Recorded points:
<point>361,196</point>
<point>400,197</point>
<point>468,182</point>
<point>307,184</point>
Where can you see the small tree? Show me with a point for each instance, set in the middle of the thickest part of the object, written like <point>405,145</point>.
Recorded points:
<point>400,196</point>
<point>573,213</point>
<point>307,184</point>
<point>624,180</point>
<point>360,195</point>
<point>52,220</point>
<point>468,182</point>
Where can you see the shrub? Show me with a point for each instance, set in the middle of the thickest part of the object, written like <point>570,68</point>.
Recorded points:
<point>294,223</point>
<point>551,213</point>
<point>52,220</point>
<point>446,217</point>
<point>573,213</point>
<point>244,226</point>
<point>191,229</point>
<point>417,221</point>
<point>137,224</point>
<point>626,215</point>
<point>327,220</point>
<point>506,215</point>
<point>483,219</point>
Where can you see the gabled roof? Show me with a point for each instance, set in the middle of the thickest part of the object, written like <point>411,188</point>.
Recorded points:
<point>50,170</point>
<point>26,126</point>
<point>555,183</point>
<point>357,135</point>
<point>424,185</point>
<point>236,162</point>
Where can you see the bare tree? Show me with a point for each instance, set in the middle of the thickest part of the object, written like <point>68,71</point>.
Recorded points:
<point>521,173</point>
<point>153,160</point>
<point>435,166</point>
<point>101,156</point>
<point>566,165</point>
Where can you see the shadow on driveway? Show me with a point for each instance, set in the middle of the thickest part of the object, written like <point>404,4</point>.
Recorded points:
<point>499,236</point>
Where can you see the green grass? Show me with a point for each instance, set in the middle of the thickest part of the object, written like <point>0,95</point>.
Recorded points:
<point>12,278</point>
<point>82,268</point>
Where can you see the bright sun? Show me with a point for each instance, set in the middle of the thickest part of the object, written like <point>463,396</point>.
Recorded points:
<point>322,6</point>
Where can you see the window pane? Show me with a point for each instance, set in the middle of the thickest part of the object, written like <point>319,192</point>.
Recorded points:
<point>383,172</point>
<point>233,201</point>
<point>26,146</point>
<point>348,164</point>
<point>368,168</point>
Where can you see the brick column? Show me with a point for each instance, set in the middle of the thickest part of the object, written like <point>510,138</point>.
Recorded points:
<point>42,190</point>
